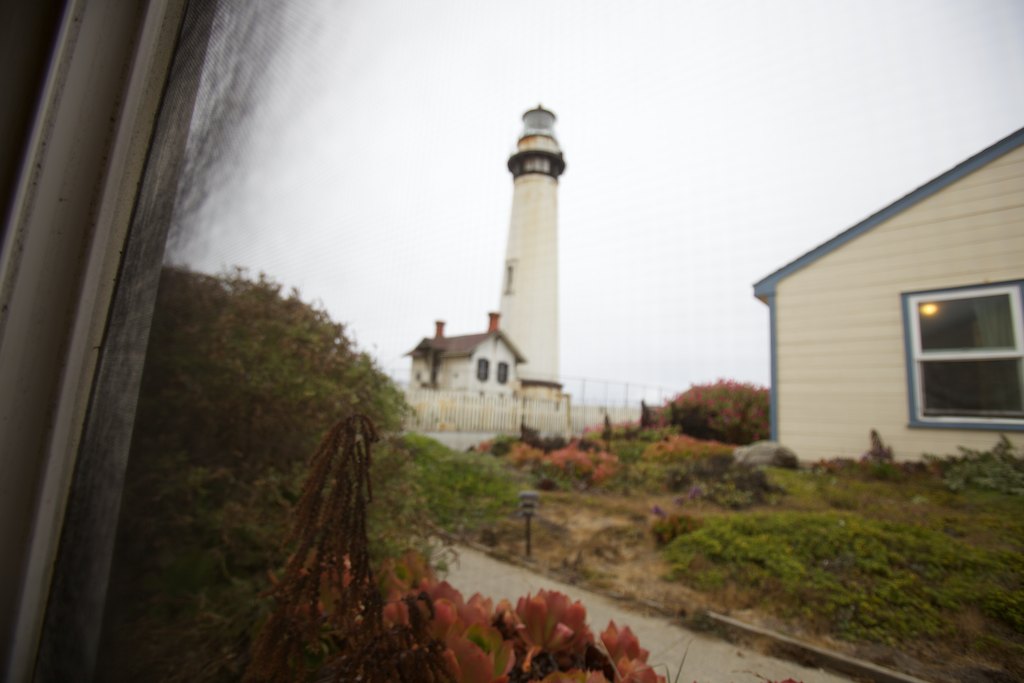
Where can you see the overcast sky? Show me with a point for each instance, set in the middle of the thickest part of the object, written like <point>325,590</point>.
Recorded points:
<point>708,144</point>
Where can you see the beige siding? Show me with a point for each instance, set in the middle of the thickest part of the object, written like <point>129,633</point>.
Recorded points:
<point>840,351</point>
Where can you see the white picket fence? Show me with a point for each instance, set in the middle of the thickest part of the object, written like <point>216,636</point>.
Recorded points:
<point>452,411</point>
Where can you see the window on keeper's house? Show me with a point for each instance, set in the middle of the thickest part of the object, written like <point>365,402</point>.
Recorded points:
<point>482,368</point>
<point>965,356</point>
<point>502,373</point>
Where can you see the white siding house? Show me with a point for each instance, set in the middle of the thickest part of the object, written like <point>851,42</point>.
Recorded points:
<point>909,322</point>
<point>483,363</point>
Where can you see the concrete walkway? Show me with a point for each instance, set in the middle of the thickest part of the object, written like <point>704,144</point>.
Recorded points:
<point>707,660</point>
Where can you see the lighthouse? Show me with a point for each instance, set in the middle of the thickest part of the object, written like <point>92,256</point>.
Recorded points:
<point>529,290</point>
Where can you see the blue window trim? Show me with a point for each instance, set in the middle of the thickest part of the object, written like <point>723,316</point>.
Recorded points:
<point>915,421</point>
<point>773,408</point>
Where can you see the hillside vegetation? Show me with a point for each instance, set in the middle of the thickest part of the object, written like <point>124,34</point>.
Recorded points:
<point>241,381</point>
<point>913,565</point>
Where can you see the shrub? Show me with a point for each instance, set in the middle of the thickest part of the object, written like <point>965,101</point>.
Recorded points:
<point>579,464</point>
<point>459,491</point>
<point>728,411</point>
<point>706,470</point>
<point>665,529</point>
<point>999,469</point>
<point>327,594</point>
<point>522,455</point>
<point>498,446</point>
<point>589,468</point>
<point>683,448</point>
<point>533,437</point>
<point>873,469</point>
<point>240,380</point>
<point>627,431</point>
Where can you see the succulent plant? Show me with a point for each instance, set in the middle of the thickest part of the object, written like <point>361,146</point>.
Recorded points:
<point>481,655</point>
<point>551,622</point>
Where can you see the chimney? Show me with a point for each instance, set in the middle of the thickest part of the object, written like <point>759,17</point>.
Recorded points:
<point>439,329</point>
<point>492,325</point>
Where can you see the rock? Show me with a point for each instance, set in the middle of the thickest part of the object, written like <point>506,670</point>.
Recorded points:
<point>766,453</point>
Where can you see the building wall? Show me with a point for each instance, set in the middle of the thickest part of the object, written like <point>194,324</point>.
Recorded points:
<point>839,331</point>
<point>529,307</point>
<point>451,374</point>
<point>495,352</point>
<point>419,375</point>
<point>455,374</point>
<point>459,374</point>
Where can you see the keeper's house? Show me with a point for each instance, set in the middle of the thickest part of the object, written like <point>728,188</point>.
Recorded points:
<point>485,363</point>
<point>908,322</point>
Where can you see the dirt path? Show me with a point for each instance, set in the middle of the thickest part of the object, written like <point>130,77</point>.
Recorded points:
<point>703,658</point>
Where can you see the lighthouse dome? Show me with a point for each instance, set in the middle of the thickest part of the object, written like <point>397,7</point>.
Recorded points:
<point>539,121</point>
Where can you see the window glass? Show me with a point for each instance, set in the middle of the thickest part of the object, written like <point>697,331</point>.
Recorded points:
<point>984,388</point>
<point>482,367</point>
<point>976,323</point>
<point>502,373</point>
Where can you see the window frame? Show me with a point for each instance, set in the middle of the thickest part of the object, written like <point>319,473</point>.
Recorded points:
<point>88,214</point>
<point>502,374</point>
<point>483,369</point>
<point>916,356</point>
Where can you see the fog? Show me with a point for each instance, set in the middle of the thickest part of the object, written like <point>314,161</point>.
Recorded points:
<point>357,151</point>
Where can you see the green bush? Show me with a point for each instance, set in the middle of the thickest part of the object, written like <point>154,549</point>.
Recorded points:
<point>627,451</point>
<point>627,442</point>
<point>240,382</point>
<point>728,411</point>
<point>665,529</point>
<point>999,469</point>
<point>681,448</point>
<point>460,491</point>
<point>501,444</point>
<point>628,432</point>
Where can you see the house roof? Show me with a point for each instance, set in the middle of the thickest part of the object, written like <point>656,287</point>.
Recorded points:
<point>766,287</point>
<point>463,345</point>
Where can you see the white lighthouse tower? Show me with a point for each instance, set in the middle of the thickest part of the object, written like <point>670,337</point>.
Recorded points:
<point>529,294</point>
